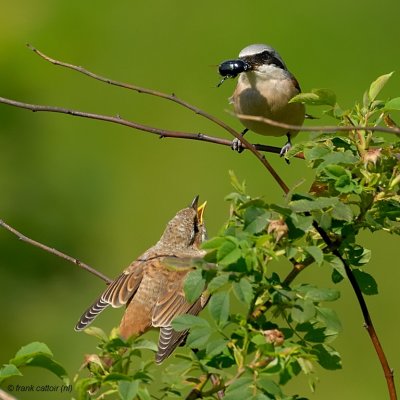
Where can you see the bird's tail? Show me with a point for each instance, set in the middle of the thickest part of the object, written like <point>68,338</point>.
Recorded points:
<point>168,341</point>
<point>91,313</point>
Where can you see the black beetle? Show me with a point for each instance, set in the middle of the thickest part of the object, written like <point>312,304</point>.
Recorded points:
<point>232,68</point>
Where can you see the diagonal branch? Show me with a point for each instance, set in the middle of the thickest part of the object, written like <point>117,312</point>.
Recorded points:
<point>58,253</point>
<point>175,99</point>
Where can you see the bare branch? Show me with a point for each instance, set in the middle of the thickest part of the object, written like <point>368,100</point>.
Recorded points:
<point>163,133</point>
<point>322,128</point>
<point>175,99</point>
<point>58,253</point>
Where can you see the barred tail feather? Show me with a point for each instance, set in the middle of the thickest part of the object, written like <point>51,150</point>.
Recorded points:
<point>91,313</point>
<point>168,341</point>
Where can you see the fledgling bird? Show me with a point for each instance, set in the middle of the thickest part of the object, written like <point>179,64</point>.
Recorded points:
<point>264,89</point>
<point>152,286</point>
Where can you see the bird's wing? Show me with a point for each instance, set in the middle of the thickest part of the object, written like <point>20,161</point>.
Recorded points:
<point>171,303</point>
<point>171,300</point>
<point>170,339</point>
<point>117,294</point>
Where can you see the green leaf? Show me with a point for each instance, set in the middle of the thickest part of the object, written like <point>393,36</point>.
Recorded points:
<point>144,344</point>
<point>186,321</point>
<point>219,307</point>
<point>144,394</point>
<point>128,390</point>
<point>330,319</point>
<point>198,337</point>
<point>255,219</point>
<point>302,222</point>
<point>44,361</point>
<point>336,264</point>
<point>304,205</point>
<point>243,290</point>
<point>29,351</point>
<point>325,220</point>
<point>269,386</point>
<point>240,389</point>
<point>392,105</point>
<point>342,212</point>
<point>96,332</point>
<point>316,335</point>
<point>194,285</point>
<point>316,152</point>
<point>338,157</point>
<point>366,282</point>
<point>345,185</point>
<point>239,187</point>
<point>327,357</point>
<point>116,377</point>
<point>215,347</point>
<point>213,243</point>
<point>9,370</point>
<point>318,295</point>
<point>316,97</point>
<point>359,255</point>
<point>378,85</point>
<point>316,253</point>
<point>335,171</point>
<point>336,277</point>
<point>303,311</point>
<point>217,282</point>
<point>229,252</point>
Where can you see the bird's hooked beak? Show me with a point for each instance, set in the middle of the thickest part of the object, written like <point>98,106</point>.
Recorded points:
<point>199,209</point>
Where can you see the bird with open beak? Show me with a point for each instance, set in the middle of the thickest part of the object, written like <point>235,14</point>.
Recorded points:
<point>151,287</point>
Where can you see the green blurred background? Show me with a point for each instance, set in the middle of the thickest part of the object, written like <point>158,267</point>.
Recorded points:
<point>103,193</point>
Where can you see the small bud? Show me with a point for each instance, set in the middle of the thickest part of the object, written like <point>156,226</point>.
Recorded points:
<point>372,156</point>
<point>274,336</point>
<point>278,228</point>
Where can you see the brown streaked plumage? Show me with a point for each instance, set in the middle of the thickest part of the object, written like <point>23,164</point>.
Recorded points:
<point>152,286</point>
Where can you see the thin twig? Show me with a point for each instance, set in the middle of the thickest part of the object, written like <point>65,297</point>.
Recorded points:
<point>163,133</point>
<point>322,128</point>
<point>223,125</point>
<point>196,110</point>
<point>58,253</point>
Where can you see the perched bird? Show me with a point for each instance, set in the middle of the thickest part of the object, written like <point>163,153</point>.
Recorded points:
<point>152,285</point>
<point>264,89</point>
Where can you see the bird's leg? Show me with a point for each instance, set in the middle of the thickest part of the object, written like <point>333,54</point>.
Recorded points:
<point>286,147</point>
<point>237,144</point>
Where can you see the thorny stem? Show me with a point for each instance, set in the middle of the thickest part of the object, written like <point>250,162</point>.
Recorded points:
<point>164,133</point>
